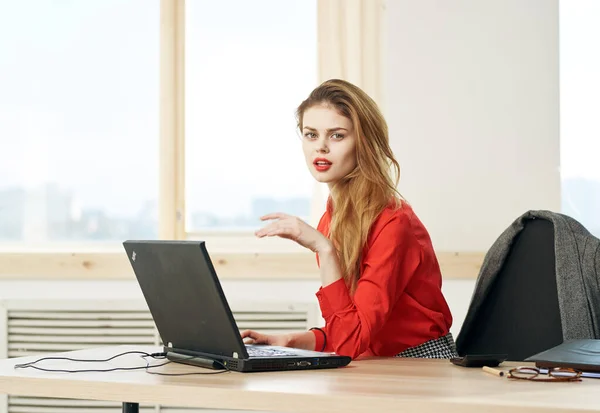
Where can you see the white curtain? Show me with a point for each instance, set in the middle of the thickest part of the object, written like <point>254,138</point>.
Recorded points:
<point>351,45</point>
<point>350,36</point>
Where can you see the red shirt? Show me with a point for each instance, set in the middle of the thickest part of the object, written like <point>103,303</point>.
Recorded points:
<point>398,302</point>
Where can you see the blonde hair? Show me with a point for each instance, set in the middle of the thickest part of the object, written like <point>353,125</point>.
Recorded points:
<point>358,198</point>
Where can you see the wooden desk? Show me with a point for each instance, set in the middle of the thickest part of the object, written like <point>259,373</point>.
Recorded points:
<point>376,385</point>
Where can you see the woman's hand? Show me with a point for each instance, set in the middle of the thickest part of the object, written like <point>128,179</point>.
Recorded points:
<point>291,227</point>
<point>253,337</point>
<point>304,340</point>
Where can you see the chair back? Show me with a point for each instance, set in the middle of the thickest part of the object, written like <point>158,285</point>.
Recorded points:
<point>520,315</point>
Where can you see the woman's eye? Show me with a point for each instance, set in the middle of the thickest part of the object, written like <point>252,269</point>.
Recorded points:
<point>337,136</point>
<point>310,135</point>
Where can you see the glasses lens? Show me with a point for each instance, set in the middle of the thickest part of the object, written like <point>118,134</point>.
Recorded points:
<point>524,372</point>
<point>564,373</point>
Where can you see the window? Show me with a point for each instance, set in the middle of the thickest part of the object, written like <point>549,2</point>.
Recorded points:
<point>248,66</point>
<point>579,101</point>
<point>83,85</point>
<point>78,120</point>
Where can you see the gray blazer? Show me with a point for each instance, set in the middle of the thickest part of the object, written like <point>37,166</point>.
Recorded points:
<point>577,273</point>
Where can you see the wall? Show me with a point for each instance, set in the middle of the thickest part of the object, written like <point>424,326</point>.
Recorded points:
<point>473,108</point>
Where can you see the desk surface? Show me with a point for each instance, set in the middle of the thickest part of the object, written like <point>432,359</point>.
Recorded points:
<point>382,385</point>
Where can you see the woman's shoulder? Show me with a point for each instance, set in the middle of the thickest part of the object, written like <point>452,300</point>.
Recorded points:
<point>396,210</point>
<point>398,218</point>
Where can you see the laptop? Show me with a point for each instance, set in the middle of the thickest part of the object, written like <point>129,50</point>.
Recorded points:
<point>193,318</point>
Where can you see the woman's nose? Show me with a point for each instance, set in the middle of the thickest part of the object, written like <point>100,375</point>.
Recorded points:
<point>322,147</point>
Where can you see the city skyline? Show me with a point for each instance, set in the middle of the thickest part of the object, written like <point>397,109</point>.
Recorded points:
<point>51,213</point>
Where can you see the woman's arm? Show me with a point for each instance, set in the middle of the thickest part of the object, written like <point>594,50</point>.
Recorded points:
<point>329,265</point>
<point>391,260</point>
<point>389,263</point>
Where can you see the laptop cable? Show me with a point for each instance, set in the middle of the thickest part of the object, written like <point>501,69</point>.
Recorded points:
<point>143,355</point>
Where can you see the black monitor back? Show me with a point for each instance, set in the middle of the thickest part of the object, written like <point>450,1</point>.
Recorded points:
<point>184,296</point>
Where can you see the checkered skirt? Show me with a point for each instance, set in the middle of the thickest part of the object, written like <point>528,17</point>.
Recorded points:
<point>439,348</point>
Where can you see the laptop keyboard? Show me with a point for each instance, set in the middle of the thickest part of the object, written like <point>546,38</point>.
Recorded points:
<point>268,352</point>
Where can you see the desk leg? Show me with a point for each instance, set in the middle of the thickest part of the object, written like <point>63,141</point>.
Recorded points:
<point>131,407</point>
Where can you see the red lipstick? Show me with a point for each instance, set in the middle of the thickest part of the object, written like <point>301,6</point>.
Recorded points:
<point>322,164</point>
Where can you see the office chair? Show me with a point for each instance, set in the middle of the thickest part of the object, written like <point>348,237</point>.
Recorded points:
<point>520,315</point>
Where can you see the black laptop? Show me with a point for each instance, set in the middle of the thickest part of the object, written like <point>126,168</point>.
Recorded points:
<point>192,315</point>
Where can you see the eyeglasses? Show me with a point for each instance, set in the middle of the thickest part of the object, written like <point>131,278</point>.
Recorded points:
<point>554,374</point>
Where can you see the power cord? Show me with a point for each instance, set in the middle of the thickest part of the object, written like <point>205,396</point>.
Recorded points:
<point>143,355</point>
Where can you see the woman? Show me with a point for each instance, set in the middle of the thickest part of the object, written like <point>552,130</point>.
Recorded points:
<point>381,282</point>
